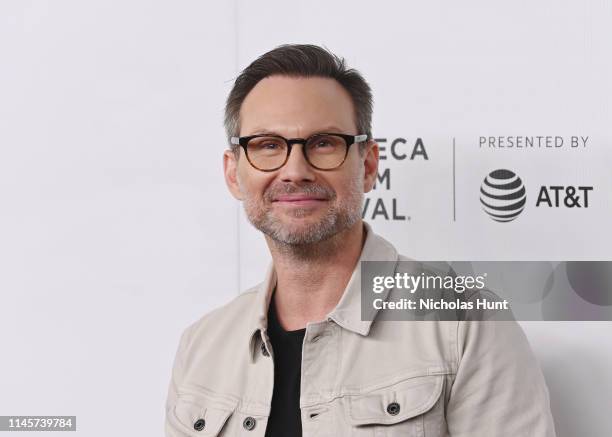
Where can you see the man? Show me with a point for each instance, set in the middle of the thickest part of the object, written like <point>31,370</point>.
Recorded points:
<point>292,356</point>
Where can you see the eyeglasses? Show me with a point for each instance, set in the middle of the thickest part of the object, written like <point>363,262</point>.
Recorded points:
<point>323,151</point>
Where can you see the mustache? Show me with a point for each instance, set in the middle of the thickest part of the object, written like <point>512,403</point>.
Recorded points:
<point>310,190</point>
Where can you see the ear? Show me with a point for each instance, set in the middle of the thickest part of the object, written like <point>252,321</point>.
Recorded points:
<point>370,165</point>
<point>230,169</point>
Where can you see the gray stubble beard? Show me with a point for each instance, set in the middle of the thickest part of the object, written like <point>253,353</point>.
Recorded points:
<point>308,240</point>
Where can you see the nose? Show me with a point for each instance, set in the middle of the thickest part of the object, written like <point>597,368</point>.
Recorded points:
<point>296,169</point>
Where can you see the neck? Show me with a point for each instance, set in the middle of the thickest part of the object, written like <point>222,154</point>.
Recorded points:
<point>311,278</point>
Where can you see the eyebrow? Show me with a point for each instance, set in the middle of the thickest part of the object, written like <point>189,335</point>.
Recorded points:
<point>328,129</point>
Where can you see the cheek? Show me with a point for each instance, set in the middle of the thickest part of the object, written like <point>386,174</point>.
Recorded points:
<point>348,187</point>
<point>252,184</point>
<point>352,179</point>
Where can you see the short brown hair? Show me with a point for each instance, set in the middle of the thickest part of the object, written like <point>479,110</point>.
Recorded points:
<point>300,60</point>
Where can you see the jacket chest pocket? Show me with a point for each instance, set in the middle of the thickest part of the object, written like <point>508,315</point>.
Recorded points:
<point>412,407</point>
<point>200,413</point>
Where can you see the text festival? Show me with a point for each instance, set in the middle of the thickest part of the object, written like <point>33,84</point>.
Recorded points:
<point>399,150</point>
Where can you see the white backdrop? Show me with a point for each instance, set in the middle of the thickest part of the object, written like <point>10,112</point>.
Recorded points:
<point>116,229</point>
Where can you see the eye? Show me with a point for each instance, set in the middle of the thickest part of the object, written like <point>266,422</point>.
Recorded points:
<point>269,146</point>
<point>323,143</point>
<point>266,144</point>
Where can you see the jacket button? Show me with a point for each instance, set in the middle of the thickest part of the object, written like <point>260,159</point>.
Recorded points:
<point>249,423</point>
<point>199,424</point>
<point>393,408</point>
<point>264,351</point>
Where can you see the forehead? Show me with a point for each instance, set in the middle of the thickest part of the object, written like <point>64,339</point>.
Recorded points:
<point>297,106</point>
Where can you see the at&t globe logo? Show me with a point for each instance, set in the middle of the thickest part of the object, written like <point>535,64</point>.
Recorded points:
<point>502,195</point>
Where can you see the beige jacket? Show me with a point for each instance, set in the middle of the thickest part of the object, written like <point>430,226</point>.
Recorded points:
<point>359,378</point>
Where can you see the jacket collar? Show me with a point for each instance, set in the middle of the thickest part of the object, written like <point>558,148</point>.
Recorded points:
<point>347,312</point>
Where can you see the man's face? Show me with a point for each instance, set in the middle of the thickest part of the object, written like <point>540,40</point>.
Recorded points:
<point>298,204</point>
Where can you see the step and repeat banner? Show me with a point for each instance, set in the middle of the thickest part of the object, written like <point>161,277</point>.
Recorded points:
<point>493,124</point>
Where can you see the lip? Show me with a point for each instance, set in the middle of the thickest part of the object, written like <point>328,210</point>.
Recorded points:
<point>298,198</point>
<point>299,201</point>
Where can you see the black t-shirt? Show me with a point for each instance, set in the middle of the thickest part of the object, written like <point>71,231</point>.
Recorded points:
<point>285,420</point>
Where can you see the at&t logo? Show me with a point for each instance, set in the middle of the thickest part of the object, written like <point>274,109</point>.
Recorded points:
<point>502,195</point>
